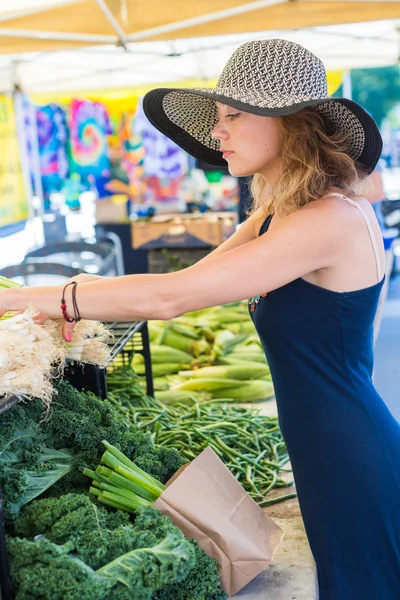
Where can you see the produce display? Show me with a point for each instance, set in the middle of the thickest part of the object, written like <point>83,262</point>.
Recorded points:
<point>249,443</point>
<point>41,452</point>
<point>80,475</point>
<point>65,545</point>
<point>211,353</point>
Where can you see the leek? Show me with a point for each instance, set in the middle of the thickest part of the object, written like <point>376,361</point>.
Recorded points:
<point>121,483</point>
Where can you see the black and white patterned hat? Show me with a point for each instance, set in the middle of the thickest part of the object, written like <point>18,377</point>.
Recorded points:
<point>268,78</point>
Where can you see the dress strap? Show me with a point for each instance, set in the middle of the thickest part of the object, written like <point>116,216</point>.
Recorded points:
<point>264,227</point>
<point>370,230</point>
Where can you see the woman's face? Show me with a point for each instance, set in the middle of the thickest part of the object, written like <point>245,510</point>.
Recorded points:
<point>250,143</point>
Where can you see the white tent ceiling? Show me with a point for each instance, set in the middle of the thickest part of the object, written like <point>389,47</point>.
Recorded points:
<point>148,63</point>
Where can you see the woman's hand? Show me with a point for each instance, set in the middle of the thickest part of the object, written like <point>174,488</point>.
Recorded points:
<point>10,299</point>
<point>4,305</point>
<point>68,328</point>
<point>20,299</point>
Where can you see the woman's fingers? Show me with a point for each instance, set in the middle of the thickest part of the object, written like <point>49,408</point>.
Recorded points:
<point>40,319</point>
<point>3,303</point>
<point>67,331</point>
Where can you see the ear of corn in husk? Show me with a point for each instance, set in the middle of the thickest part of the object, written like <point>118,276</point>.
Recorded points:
<point>243,372</point>
<point>239,357</point>
<point>220,354</point>
<point>246,391</point>
<point>159,369</point>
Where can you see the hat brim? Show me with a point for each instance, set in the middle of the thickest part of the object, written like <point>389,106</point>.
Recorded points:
<point>193,131</point>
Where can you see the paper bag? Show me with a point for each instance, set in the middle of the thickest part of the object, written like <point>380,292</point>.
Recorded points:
<point>208,504</point>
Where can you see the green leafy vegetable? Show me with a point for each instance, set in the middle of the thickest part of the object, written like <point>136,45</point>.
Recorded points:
<point>202,583</point>
<point>80,529</point>
<point>27,466</point>
<point>41,569</point>
<point>158,555</point>
<point>152,567</point>
<point>48,454</point>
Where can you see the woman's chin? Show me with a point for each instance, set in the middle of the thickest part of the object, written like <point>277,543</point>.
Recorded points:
<point>239,171</point>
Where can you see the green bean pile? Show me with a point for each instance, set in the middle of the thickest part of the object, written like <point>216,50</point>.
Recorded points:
<point>250,444</point>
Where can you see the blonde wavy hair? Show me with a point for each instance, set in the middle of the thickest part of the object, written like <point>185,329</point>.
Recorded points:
<point>312,161</point>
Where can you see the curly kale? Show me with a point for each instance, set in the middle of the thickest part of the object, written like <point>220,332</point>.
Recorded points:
<point>29,465</point>
<point>41,569</point>
<point>152,567</point>
<point>66,518</point>
<point>98,535</point>
<point>80,421</point>
<point>162,464</point>
<point>48,451</point>
<point>201,583</point>
<point>203,580</point>
<point>153,557</point>
<point>108,539</point>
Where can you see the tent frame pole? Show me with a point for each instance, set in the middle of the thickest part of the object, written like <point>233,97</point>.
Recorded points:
<point>35,10</point>
<point>202,19</point>
<point>91,38</point>
<point>113,22</point>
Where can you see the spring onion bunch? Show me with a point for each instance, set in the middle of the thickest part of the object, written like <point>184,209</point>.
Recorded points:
<point>30,352</point>
<point>89,343</point>
<point>119,483</point>
<point>29,356</point>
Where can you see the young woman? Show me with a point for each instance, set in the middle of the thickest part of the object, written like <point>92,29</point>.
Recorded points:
<point>311,260</point>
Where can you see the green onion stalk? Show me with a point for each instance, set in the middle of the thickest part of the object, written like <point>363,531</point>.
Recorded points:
<point>122,484</point>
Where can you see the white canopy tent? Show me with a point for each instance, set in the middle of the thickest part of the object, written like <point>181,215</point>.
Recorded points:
<point>114,52</point>
<point>51,48</point>
<point>148,63</point>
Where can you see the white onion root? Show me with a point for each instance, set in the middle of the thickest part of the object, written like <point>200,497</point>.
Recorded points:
<point>89,342</point>
<point>29,356</point>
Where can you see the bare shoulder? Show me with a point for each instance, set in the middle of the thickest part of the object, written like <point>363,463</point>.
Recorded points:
<point>345,210</point>
<point>334,214</point>
<point>318,218</point>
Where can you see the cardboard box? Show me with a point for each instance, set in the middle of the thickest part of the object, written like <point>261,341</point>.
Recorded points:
<point>186,230</point>
<point>112,209</point>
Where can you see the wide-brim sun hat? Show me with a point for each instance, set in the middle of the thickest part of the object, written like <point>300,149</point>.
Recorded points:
<point>269,78</point>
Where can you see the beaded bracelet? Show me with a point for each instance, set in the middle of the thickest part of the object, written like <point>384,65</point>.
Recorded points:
<point>77,317</point>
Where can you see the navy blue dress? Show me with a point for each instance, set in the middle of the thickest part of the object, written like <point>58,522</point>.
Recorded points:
<point>343,442</point>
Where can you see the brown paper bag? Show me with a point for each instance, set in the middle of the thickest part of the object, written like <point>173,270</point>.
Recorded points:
<point>208,504</point>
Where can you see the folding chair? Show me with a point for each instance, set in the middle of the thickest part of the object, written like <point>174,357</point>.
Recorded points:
<point>38,273</point>
<point>97,258</point>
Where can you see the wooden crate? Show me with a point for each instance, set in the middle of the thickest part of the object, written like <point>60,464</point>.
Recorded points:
<point>173,259</point>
